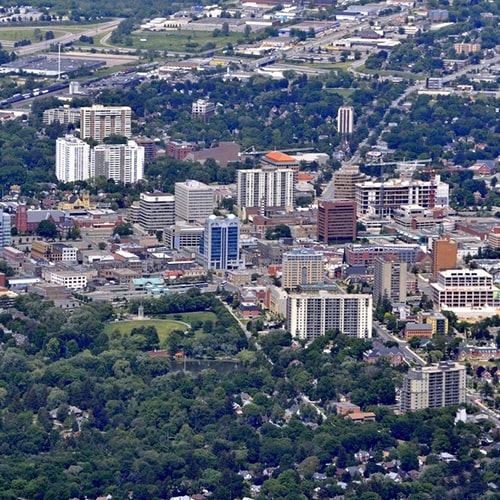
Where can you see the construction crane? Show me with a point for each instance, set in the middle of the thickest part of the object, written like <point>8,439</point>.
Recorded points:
<point>432,189</point>
<point>251,151</point>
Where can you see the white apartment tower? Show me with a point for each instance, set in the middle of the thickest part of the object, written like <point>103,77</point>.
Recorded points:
<point>120,162</point>
<point>156,211</point>
<point>64,115</point>
<point>98,122</point>
<point>266,187</point>
<point>194,201</point>
<point>5,226</point>
<point>345,120</point>
<point>72,159</point>
<point>310,315</point>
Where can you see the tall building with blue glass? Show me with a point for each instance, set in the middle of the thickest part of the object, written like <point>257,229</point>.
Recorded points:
<point>219,245</point>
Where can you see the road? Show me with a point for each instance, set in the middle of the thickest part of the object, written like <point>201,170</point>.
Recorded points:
<point>492,415</point>
<point>413,357</point>
<point>66,38</point>
<point>409,355</point>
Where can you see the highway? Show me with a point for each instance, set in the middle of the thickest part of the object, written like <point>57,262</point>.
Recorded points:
<point>68,37</point>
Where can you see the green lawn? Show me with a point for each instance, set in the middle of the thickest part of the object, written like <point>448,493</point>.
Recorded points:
<point>17,34</point>
<point>163,326</point>
<point>193,317</point>
<point>180,41</point>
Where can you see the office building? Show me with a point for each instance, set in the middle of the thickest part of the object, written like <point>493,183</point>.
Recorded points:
<point>98,122</point>
<point>182,235</point>
<point>203,109</point>
<point>72,159</point>
<point>336,221</point>
<point>310,315</point>
<point>268,187</point>
<point>156,211</point>
<point>494,238</point>
<point>389,279</point>
<point>433,386</point>
<point>194,201</point>
<point>464,289</point>
<point>179,149</point>
<point>345,180</point>
<point>381,199</point>
<point>120,162</point>
<point>444,254</point>
<point>364,255</point>
<point>345,120</point>
<point>301,266</point>
<point>73,280</point>
<point>219,245</point>
<point>149,146</point>
<point>5,227</point>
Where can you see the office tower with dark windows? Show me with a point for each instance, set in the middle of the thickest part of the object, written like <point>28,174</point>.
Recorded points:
<point>219,245</point>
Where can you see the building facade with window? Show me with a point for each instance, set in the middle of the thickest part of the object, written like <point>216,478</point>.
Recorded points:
<point>301,266</point>
<point>156,211</point>
<point>434,386</point>
<point>120,162</point>
<point>98,122</point>
<point>219,245</point>
<point>72,159</point>
<point>311,315</point>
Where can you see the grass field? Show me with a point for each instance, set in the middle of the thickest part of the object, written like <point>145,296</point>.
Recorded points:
<point>180,41</point>
<point>17,34</point>
<point>194,317</point>
<point>14,34</point>
<point>163,326</point>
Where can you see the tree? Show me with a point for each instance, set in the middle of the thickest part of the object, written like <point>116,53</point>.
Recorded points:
<point>123,229</point>
<point>74,233</point>
<point>414,342</point>
<point>277,232</point>
<point>47,229</point>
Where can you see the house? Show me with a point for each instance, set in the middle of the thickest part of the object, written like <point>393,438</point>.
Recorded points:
<point>249,310</point>
<point>380,351</point>
<point>345,407</point>
<point>361,416</point>
<point>483,167</point>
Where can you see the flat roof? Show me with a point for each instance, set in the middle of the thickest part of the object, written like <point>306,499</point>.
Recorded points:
<point>464,272</point>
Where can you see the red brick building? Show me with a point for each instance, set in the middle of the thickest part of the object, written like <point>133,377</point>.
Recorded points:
<point>336,221</point>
